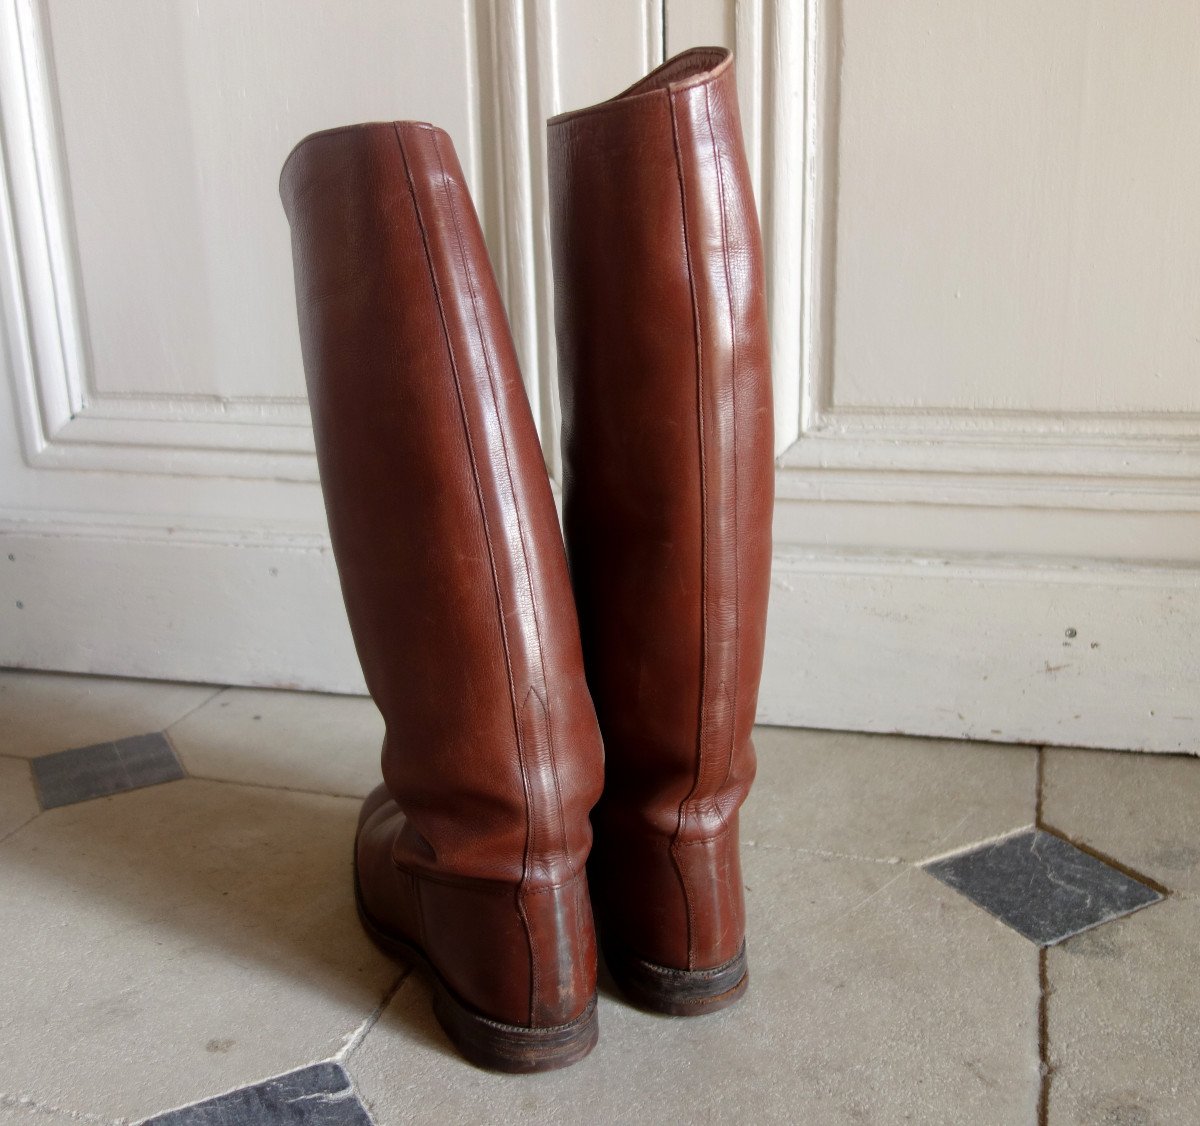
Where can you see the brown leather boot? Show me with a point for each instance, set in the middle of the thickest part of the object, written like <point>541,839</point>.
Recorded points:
<point>470,859</point>
<point>667,449</point>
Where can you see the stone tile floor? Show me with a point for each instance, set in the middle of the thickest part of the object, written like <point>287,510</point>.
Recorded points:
<point>184,941</point>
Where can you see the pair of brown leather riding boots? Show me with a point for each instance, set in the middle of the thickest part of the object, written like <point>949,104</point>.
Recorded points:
<point>513,703</point>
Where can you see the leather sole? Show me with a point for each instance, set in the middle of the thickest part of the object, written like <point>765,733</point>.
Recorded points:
<point>684,993</point>
<point>485,1042</point>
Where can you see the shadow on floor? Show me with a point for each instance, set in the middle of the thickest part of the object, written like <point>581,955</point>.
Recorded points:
<point>203,870</point>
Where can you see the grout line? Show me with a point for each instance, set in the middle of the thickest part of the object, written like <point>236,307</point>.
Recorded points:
<point>360,1033</point>
<point>33,817</point>
<point>270,786</point>
<point>191,711</point>
<point>957,850</point>
<point>1045,1070</point>
<point>1039,794</point>
<point>14,831</point>
<point>1112,862</point>
<point>1041,823</point>
<point>827,854</point>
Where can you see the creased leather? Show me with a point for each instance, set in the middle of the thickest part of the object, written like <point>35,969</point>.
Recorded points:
<point>453,573</point>
<point>668,487</point>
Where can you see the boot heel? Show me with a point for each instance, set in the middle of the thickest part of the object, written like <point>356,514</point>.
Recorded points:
<point>512,1048</point>
<point>485,1042</point>
<point>683,993</point>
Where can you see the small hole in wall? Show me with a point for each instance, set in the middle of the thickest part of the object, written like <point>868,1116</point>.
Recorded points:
<point>20,605</point>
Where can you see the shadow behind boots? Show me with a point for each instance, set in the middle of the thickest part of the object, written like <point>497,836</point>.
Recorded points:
<point>668,483</point>
<point>470,859</point>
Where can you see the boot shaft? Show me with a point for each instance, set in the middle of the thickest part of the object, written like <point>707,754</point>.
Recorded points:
<point>441,516</point>
<point>668,486</point>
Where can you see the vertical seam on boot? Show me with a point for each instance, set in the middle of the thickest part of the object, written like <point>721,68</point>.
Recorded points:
<point>699,353</point>
<point>478,496</point>
<point>535,975</point>
<point>733,367</point>
<point>523,533</point>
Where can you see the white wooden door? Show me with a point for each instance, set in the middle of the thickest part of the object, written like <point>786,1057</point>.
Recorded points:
<point>984,261</point>
<point>159,507</point>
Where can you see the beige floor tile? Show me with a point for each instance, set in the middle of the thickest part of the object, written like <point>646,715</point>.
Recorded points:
<point>1142,810</point>
<point>302,741</point>
<point>45,712</point>
<point>884,795</point>
<point>16,1111</point>
<point>876,996</point>
<point>18,799</point>
<point>167,944</point>
<point>1123,1009</point>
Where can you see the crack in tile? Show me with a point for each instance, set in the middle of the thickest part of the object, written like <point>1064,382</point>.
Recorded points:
<point>906,871</point>
<point>326,1096</point>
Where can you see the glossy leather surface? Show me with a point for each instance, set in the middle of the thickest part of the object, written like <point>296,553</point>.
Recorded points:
<point>668,489</point>
<point>453,572</point>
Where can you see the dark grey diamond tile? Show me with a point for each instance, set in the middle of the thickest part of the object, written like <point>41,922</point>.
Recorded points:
<point>106,768</point>
<point>319,1095</point>
<point>1042,886</point>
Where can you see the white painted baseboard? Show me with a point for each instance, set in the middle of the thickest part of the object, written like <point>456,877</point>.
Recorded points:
<point>863,643</point>
<point>1074,655</point>
<point>175,607</point>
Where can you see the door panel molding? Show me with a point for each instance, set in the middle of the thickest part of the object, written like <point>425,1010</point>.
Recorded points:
<point>1121,461</point>
<point>65,423</point>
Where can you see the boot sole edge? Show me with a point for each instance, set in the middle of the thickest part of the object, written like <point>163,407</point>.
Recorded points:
<point>484,1041</point>
<point>675,992</point>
